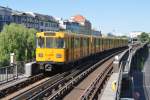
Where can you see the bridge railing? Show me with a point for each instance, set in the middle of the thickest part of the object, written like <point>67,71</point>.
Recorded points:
<point>122,65</point>
<point>118,84</point>
<point>7,73</point>
<point>12,72</point>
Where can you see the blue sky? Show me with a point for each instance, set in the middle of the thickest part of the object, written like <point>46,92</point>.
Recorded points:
<point>121,16</point>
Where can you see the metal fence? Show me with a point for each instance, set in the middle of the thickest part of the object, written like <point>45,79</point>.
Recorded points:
<point>8,73</point>
<point>20,67</point>
<point>123,64</point>
<point>118,85</point>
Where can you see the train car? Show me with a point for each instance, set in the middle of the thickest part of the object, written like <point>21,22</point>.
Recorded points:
<point>55,49</point>
<point>59,48</point>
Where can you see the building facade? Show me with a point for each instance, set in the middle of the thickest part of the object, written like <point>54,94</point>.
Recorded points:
<point>85,25</point>
<point>5,16</point>
<point>28,19</point>
<point>69,26</point>
<point>47,23</point>
<point>77,24</point>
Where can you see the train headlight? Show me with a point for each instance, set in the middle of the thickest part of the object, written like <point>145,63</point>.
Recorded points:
<point>58,55</point>
<point>40,55</point>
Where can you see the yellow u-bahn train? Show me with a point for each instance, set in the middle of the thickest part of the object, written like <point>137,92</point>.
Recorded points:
<point>59,48</point>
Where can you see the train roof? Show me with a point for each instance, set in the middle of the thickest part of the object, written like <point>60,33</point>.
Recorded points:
<point>80,35</point>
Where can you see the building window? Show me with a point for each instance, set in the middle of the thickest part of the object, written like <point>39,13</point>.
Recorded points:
<point>41,23</point>
<point>1,17</point>
<point>46,24</point>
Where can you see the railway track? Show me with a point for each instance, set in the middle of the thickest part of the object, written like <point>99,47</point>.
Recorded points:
<point>56,86</point>
<point>4,91</point>
<point>72,84</point>
<point>31,90</point>
<point>60,89</point>
<point>97,81</point>
<point>27,82</point>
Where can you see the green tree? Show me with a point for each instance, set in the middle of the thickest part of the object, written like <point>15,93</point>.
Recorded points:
<point>144,37</point>
<point>15,38</point>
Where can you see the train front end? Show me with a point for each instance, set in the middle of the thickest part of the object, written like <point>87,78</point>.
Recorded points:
<point>50,49</point>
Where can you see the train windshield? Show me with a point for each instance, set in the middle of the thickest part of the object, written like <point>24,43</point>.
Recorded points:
<point>54,42</point>
<point>49,42</point>
<point>60,43</point>
<point>40,42</point>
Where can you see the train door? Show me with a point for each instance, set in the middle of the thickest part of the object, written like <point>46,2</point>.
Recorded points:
<point>109,43</point>
<point>78,53</point>
<point>84,42</point>
<point>94,45</point>
<point>97,45</point>
<point>88,46</point>
<point>81,47</point>
<point>67,59</point>
<point>102,44</point>
<point>72,48</point>
<point>75,47</point>
<point>99,49</point>
<point>113,43</point>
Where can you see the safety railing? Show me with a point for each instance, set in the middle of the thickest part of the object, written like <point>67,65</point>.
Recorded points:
<point>118,85</point>
<point>123,64</point>
<point>12,72</point>
<point>7,73</point>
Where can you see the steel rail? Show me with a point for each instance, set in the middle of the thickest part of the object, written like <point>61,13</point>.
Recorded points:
<point>94,86</point>
<point>54,80</point>
<point>33,90</point>
<point>6,91</point>
<point>58,84</point>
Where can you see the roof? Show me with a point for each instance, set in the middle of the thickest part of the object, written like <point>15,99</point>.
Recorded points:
<point>14,12</point>
<point>81,20</point>
<point>21,13</point>
<point>78,18</point>
<point>31,14</point>
<point>5,8</point>
<point>45,17</point>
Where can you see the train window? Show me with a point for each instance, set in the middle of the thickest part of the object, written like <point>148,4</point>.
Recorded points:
<point>40,42</point>
<point>72,42</point>
<point>76,43</point>
<point>69,42</point>
<point>60,43</point>
<point>49,42</point>
<point>97,42</point>
<point>84,42</point>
